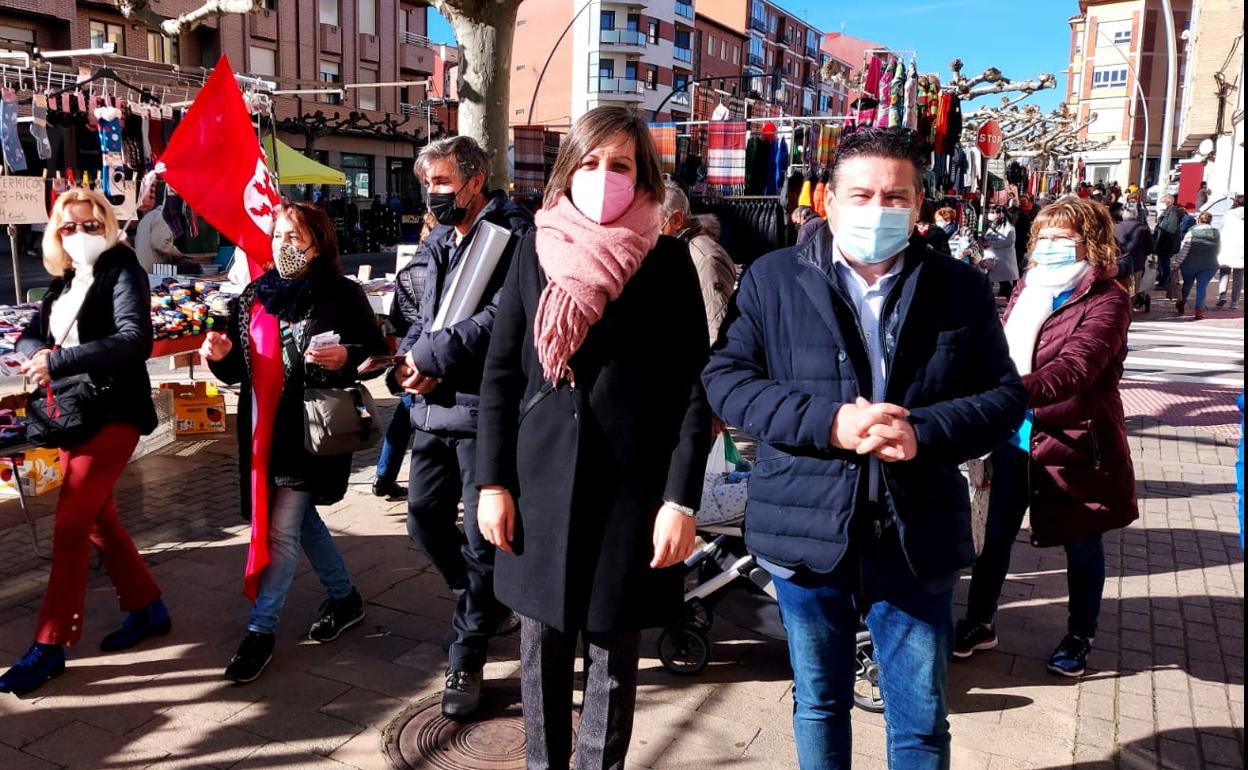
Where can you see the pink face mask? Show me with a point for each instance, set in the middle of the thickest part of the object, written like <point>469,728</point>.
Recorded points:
<point>602,196</point>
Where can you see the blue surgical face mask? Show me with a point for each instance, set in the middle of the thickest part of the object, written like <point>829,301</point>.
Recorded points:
<point>1055,252</point>
<point>872,234</point>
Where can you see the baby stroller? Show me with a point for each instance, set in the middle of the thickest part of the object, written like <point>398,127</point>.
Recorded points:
<point>725,580</point>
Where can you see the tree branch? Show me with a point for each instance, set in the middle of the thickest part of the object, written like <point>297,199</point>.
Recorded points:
<point>140,11</point>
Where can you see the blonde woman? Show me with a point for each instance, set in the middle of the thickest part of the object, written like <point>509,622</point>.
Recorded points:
<point>95,322</point>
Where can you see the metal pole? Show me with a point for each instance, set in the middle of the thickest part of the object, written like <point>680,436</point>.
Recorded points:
<point>1172,80</point>
<point>1139,95</point>
<point>17,270</point>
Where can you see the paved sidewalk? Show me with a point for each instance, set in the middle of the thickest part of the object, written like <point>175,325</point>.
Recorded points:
<point>1167,690</point>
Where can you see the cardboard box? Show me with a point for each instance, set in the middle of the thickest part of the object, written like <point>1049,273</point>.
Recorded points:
<point>37,470</point>
<point>197,408</point>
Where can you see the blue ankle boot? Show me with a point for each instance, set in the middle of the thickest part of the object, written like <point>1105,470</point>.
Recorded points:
<point>152,620</point>
<point>40,663</point>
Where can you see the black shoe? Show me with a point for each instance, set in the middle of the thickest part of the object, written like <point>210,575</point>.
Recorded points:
<point>387,488</point>
<point>337,615</point>
<point>1180,306</point>
<point>252,658</point>
<point>462,694</point>
<point>1071,656</point>
<point>1222,303</point>
<point>40,663</point>
<point>140,625</point>
<point>972,636</point>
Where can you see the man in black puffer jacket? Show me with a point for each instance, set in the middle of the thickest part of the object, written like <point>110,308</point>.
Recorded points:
<point>443,375</point>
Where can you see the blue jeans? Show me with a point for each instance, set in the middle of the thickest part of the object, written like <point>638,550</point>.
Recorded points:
<point>293,521</point>
<point>394,444</point>
<point>911,627</point>
<point>1201,279</point>
<point>1085,559</point>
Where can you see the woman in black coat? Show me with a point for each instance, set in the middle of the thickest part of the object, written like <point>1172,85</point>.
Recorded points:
<point>95,322</point>
<point>591,454</point>
<point>308,296</point>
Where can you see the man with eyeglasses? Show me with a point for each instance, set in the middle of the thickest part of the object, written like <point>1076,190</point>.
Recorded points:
<point>869,367</point>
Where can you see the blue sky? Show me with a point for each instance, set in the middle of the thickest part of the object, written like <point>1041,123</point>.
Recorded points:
<point>1022,39</point>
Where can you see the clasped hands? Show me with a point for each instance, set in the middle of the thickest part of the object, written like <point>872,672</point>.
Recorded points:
<point>881,430</point>
<point>36,368</point>
<point>411,380</point>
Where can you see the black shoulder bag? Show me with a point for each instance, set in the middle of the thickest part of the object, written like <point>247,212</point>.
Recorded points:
<point>68,412</point>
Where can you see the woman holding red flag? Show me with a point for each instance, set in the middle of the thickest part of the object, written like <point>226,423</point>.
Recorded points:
<point>303,295</point>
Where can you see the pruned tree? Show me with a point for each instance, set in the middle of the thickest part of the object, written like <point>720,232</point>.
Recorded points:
<point>1027,130</point>
<point>484,31</point>
<point>991,81</point>
<point>140,11</point>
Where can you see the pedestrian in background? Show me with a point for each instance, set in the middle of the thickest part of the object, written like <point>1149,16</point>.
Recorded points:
<point>868,366</point>
<point>1135,245</point>
<point>266,350</point>
<point>1168,236</point>
<point>1197,262</point>
<point>95,321</point>
<point>934,235</point>
<point>594,436</point>
<point>998,243</point>
<point>442,373</point>
<point>1070,463</point>
<point>1021,216</point>
<point>717,275</point>
<point>1231,255</point>
<point>808,223</point>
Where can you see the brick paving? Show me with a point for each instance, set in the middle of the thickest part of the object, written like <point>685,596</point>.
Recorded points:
<point>1167,688</point>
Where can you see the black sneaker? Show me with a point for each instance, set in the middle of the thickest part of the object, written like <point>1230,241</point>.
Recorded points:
<point>337,615</point>
<point>1222,302</point>
<point>462,694</point>
<point>1071,656</point>
<point>972,636</point>
<point>252,658</point>
<point>387,488</point>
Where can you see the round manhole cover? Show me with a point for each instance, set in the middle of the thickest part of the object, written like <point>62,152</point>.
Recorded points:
<point>420,737</point>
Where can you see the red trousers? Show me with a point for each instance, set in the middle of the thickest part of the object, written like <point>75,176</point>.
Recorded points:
<point>86,513</point>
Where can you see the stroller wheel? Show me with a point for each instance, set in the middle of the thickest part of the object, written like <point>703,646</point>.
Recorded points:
<point>698,615</point>
<point>684,650</point>
<point>867,695</point>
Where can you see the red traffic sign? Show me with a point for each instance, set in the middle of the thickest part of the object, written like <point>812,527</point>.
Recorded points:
<point>988,139</point>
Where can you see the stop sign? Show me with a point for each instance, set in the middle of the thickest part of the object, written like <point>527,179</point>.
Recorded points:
<point>988,139</point>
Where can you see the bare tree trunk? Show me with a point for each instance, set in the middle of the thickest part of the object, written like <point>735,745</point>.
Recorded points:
<point>484,30</point>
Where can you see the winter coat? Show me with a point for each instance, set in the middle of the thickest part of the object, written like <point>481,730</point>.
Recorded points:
<point>591,465</point>
<point>1135,244</point>
<point>455,355</point>
<point>1232,253</point>
<point>937,239</point>
<point>1170,230</point>
<point>332,303</point>
<point>1082,480</point>
<point>1000,240</point>
<point>1200,249</point>
<point>717,275</point>
<point>114,334</point>
<point>792,354</point>
<point>409,292</point>
<point>809,229</point>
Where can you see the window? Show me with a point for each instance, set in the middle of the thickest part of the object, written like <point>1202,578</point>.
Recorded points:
<point>680,82</point>
<point>723,50</point>
<point>771,58</point>
<point>772,23</point>
<point>268,5</point>
<point>162,49</point>
<point>652,78</point>
<point>682,40</point>
<point>756,52</point>
<point>736,54</point>
<point>632,22</point>
<point>263,61</point>
<point>328,12</point>
<point>519,68</point>
<point>654,32</point>
<point>606,68</point>
<point>366,17</point>
<point>367,97</point>
<point>710,45</point>
<point>330,75</point>
<point>1116,32</point>
<point>607,20</point>
<point>630,70</point>
<point>102,32</point>
<point>1109,77</point>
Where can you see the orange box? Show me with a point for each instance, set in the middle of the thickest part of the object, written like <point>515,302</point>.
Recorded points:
<point>196,408</point>
<point>37,470</point>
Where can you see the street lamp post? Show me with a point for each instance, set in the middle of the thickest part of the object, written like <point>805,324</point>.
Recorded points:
<point>1172,79</point>
<point>1139,95</point>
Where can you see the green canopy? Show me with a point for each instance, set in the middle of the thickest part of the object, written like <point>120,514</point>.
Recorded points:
<point>293,167</point>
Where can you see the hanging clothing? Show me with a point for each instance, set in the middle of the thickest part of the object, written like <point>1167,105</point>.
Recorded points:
<point>14,155</point>
<point>725,163</point>
<point>664,135</point>
<point>911,117</point>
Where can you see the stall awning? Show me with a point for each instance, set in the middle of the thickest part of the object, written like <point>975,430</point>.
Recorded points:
<point>293,167</point>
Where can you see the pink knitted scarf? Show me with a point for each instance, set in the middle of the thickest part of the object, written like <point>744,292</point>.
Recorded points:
<point>587,265</point>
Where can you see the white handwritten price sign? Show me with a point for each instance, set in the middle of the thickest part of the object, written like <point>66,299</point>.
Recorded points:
<point>126,192</point>
<point>22,201</point>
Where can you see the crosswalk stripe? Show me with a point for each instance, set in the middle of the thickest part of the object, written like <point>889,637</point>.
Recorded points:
<point>1184,350</point>
<point>1180,363</point>
<point>1229,382</point>
<point>1190,332</point>
<point>1175,338</point>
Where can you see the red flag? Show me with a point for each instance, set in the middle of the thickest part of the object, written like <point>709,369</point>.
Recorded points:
<point>215,163</point>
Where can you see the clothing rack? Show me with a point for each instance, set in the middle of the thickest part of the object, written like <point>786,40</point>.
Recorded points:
<point>794,119</point>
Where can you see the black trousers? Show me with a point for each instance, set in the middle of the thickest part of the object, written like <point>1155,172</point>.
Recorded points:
<point>547,658</point>
<point>443,470</point>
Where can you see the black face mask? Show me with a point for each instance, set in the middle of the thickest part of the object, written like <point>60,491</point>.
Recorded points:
<point>445,210</point>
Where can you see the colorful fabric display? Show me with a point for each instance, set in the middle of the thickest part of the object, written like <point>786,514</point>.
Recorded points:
<point>14,155</point>
<point>725,166</point>
<point>109,121</point>
<point>664,135</point>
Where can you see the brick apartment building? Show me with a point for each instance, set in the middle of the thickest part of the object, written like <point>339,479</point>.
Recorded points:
<point>718,52</point>
<point>296,43</point>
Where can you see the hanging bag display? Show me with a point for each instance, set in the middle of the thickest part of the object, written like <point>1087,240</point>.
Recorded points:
<point>338,421</point>
<point>67,412</point>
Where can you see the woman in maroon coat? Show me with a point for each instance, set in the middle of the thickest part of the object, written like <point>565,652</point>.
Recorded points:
<point>1070,462</point>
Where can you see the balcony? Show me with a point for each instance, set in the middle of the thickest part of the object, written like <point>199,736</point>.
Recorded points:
<point>755,60</point>
<point>812,53</point>
<point>415,53</point>
<point>684,9</point>
<point>367,47</point>
<point>627,88</point>
<point>415,110</point>
<point>264,24</point>
<point>683,56</point>
<point>758,25</point>
<point>331,38</point>
<point>628,38</point>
